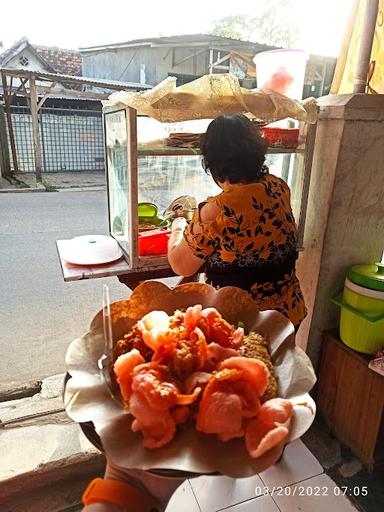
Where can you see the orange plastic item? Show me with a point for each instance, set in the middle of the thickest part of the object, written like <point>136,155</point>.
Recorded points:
<point>153,242</point>
<point>282,137</point>
<point>119,493</point>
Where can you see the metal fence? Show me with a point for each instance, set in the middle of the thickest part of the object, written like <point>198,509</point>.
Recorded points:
<point>71,139</point>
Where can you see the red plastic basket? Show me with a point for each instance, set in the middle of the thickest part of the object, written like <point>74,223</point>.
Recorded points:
<point>153,242</point>
<point>282,137</point>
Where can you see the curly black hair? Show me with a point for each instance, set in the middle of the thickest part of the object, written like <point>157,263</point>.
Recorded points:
<point>233,151</point>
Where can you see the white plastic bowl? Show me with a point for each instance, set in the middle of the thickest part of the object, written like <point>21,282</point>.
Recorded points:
<point>91,250</point>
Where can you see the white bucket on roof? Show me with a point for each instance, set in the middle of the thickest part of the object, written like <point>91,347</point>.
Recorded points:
<point>281,71</point>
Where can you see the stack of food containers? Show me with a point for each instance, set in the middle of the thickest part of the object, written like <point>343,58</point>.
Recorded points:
<point>362,308</point>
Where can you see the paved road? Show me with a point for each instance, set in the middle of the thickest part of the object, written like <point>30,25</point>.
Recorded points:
<point>40,314</point>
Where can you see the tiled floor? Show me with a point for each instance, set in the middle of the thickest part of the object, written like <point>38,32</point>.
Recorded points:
<point>296,483</point>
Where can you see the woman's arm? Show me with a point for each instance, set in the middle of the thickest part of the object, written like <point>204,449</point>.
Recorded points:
<point>181,257</point>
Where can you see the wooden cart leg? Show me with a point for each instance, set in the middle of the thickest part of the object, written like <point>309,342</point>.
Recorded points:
<point>128,282</point>
<point>189,279</point>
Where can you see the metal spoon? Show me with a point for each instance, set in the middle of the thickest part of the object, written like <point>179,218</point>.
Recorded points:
<point>105,362</point>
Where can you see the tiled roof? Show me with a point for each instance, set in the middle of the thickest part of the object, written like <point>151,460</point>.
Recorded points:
<point>55,60</point>
<point>63,62</point>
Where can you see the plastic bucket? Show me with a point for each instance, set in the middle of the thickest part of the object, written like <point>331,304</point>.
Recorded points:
<point>281,137</point>
<point>361,318</point>
<point>281,71</point>
<point>154,242</point>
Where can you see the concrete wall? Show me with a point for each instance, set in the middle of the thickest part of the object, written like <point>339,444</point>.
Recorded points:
<point>345,222</point>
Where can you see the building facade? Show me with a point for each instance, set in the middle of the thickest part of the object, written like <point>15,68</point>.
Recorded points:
<point>189,57</point>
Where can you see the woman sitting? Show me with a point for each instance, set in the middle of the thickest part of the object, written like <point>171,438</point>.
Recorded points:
<point>246,236</point>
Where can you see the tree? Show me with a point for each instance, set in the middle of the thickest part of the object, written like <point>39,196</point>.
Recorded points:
<point>275,25</point>
<point>236,27</point>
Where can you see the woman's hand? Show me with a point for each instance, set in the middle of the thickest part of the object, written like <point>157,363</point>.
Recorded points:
<point>177,233</point>
<point>182,260</point>
<point>179,224</point>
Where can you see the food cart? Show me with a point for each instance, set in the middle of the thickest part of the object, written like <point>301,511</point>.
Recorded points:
<point>145,166</point>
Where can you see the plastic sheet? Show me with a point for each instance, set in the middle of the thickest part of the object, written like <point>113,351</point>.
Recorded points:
<point>211,96</point>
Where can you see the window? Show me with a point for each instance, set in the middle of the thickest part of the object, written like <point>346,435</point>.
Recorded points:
<point>23,60</point>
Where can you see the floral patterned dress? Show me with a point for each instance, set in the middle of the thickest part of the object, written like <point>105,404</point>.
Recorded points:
<point>252,244</point>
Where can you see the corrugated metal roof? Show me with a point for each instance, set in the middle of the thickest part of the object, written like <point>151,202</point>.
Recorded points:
<point>208,39</point>
<point>96,82</point>
<point>58,96</point>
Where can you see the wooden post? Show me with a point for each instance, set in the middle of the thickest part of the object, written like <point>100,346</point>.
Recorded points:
<point>133,191</point>
<point>310,146</point>
<point>8,101</point>
<point>35,129</point>
<point>210,69</point>
<point>367,34</point>
<point>5,165</point>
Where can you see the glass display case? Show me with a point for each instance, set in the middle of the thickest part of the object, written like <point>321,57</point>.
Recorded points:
<point>141,168</point>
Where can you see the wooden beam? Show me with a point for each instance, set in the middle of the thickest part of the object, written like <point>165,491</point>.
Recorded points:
<point>188,57</point>
<point>132,191</point>
<point>35,129</point>
<point>8,101</point>
<point>11,92</point>
<point>220,67</point>
<point>220,61</point>
<point>310,146</point>
<point>24,81</point>
<point>20,88</point>
<point>72,93</point>
<point>54,77</point>
<point>45,95</point>
<point>5,165</point>
<point>67,93</point>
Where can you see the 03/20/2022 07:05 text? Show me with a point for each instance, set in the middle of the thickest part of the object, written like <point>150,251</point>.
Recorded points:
<point>308,490</point>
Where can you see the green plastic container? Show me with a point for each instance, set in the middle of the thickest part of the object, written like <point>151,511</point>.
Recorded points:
<point>362,308</point>
<point>147,210</point>
<point>147,213</point>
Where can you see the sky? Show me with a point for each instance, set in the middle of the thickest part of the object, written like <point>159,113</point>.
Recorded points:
<point>82,23</point>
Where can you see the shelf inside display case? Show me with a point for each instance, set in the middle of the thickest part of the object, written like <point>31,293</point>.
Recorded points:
<point>176,151</point>
<point>154,261</point>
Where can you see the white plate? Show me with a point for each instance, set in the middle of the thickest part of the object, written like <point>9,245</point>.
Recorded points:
<point>91,250</point>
